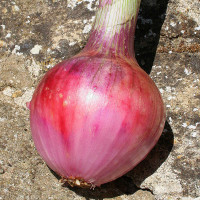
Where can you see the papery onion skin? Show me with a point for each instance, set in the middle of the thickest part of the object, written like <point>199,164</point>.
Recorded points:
<point>95,116</point>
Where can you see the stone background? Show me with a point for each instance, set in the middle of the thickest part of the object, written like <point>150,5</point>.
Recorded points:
<point>36,34</point>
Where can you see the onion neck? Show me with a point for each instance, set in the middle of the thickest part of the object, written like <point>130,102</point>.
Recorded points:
<point>114,28</point>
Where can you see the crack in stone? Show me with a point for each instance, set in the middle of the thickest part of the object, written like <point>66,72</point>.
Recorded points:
<point>147,189</point>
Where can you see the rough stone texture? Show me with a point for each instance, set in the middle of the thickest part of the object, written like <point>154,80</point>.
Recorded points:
<point>34,35</point>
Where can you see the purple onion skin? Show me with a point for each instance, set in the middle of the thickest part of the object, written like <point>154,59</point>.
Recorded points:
<point>97,115</point>
<point>95,118</point>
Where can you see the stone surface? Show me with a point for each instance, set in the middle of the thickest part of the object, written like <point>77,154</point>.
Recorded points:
<point>35,35</point>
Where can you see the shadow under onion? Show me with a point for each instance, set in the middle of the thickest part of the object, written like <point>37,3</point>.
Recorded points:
<point>150,20</point>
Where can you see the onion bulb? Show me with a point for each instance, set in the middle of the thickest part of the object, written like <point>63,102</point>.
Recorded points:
<point>97,115</point>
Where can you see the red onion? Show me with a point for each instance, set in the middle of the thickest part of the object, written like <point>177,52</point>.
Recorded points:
<point>97,115</point>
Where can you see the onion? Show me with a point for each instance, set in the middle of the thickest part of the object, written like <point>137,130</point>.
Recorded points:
<point>97,115</point>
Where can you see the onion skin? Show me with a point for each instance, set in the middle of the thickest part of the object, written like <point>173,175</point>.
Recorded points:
<point>96,116</point>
